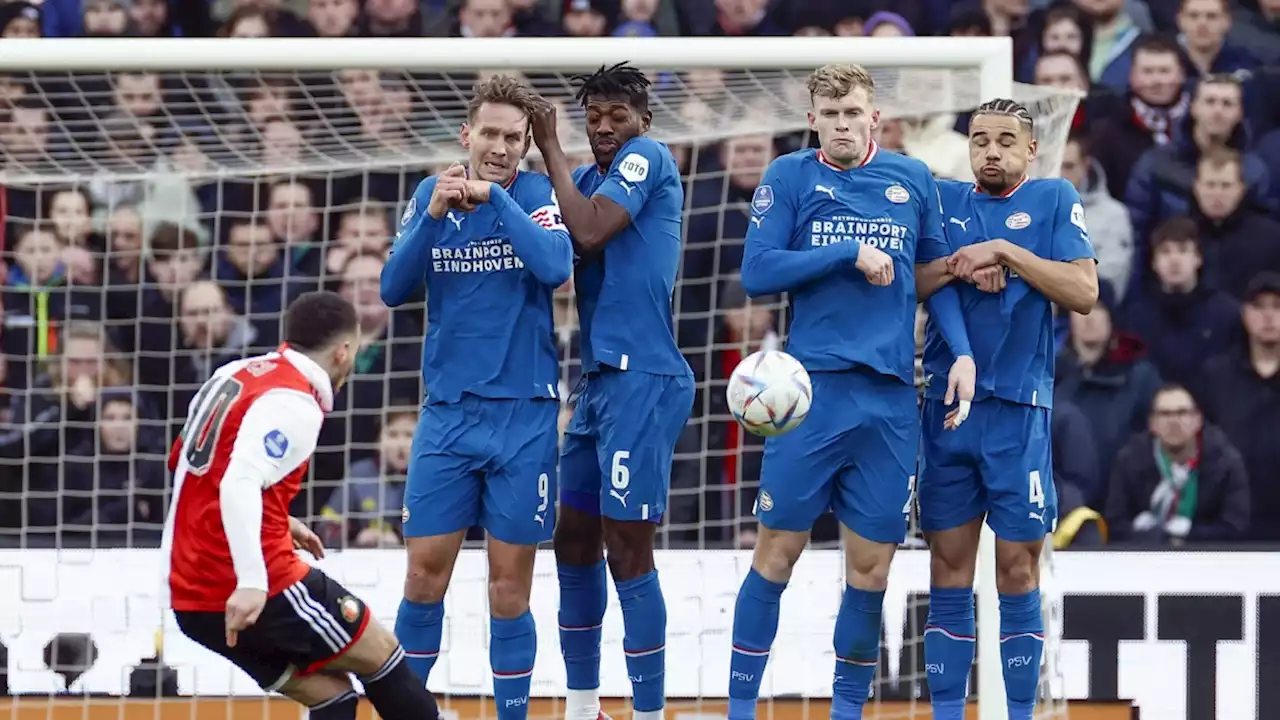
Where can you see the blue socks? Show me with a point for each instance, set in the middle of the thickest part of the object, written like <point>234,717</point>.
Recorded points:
<point>755,625</point>
<point>584,595</point>
<point>1021,647</point>
<point>857,646</point>
<point>513,645</point>
<point>418,628</point>
<point>949,646</point>
<point>644,639</point>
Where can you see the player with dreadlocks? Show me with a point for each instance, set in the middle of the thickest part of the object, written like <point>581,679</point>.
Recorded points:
<point>1018,247</point>
<point>624,214</point>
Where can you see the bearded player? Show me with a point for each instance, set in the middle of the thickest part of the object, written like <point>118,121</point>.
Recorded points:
<point>235,584</point>
<point>1021,246</point>
<point>842,230</point>
<point>492,250</point>
<point>624,213</point>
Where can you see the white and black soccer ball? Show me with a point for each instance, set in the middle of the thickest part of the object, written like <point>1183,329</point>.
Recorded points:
<point>769,393</point>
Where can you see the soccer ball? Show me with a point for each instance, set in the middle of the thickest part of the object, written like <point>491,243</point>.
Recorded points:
<point>769,393</point>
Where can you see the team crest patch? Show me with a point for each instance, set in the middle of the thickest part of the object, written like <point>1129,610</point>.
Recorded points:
<point>409,211</point>
<point>1077,217</point>
<point>350,609</point>
<point>897,194</point>
<point>1017,221</point>
<point>276,444</point>
<point>762,200</point>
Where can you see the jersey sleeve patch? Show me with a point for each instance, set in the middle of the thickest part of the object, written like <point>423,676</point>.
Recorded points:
<point>1077,217</point>
<point>276,444</point>
<point>409,211</point>
<point>634,167</point>
<point>762,200</point>
<point>548,217</point>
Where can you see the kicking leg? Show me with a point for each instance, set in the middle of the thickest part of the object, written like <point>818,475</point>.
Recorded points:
<point>326,696</point>
<point>514,638</point>
<point>755,615</point>
<point>949,635</point>
<point>857,632</point>
<point>395,690</point>
<point>1021,623</point>
<point>644,611</point>
<point>584,595</point>
<point>420,621</point>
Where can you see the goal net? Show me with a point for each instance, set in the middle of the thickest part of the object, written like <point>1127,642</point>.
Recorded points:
<point>157,220</point>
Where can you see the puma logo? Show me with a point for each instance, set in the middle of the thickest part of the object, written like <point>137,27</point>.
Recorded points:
<point>756,220</point>
<point>456,219</point>
<point>1035,516</point>
<point>625,186</point>
<point>964,224</point>
<point>830,192</point>
<point>622,497</point>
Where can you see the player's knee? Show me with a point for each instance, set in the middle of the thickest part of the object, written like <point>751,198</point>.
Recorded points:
<point>370,652</point>
<point>953,555</point>
<point>579,538</point>
<point>510,578</point>
<point>430,565</point>
<point>1017,567</point>
<point>777,552</point>
<point>630,548</point>
<point>868,568</point>
<point>311,690</point>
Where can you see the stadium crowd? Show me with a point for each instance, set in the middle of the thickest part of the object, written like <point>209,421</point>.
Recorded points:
<point>131,270</point>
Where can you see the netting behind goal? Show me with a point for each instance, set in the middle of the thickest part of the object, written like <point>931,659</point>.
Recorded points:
<point>157,222</point>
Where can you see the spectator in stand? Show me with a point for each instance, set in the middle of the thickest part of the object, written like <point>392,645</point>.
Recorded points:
<point>105,18</point>
<point>334,18</point>
<point>1109,228</point>
<point>145,318</point>
<point>38,294</point>
<point>1238,239</point>
<point>1063,29</point>
<point>363,229</point>
<point>19,20</point>
<point>1076,477</point>
<point>481,18</point>
<point>153,18</point>
<point>25,137</point>
<point>399,18</point>
<point>747,18</point>
<point>1241,394</point>
<point>1154,105</point>
<point>365,510</point>
<point>253,272</point>
<point>1116,28</point>
<point>1182,320</point>
<point>294,221</point>
<point>1256,29</point>
<point>113,483</point>
<point>589,18</point>
<point>887,24</point>
<point>1163,180</point>
<point>1180,482</point>
<point>1101,371</point>
<point>1203,26</point>
<point>59,413</point>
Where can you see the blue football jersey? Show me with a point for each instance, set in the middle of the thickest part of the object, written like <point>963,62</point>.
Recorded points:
<point>809,219</point>
<point>625,292</point>
<point>1011,332</point>
<point>490,275</point>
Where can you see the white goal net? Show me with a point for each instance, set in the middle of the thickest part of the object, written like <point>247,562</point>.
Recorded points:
<point>156,221</point>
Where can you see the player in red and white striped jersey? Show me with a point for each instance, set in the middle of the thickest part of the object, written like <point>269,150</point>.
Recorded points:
<point>235,582</point>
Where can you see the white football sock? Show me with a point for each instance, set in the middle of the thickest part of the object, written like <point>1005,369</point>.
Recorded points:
<point>647,715</point>
<point>582,705</point>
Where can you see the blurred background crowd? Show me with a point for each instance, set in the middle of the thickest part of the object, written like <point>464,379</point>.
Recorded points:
<point>155,224</point>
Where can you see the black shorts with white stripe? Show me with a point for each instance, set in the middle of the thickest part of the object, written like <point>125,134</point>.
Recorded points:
<point>300,630</point>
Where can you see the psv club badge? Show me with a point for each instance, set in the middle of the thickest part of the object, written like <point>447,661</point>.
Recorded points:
<point>350,609</point>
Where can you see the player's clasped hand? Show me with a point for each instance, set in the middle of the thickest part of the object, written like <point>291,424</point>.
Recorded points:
<point>971,258</point>
<point>243,608</point>
<point>451,192</point>
<point>990,279</point>
<point>876,265</point>
<point>962,383</point>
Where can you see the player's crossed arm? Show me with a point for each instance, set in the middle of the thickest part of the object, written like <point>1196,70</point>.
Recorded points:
<point>537,234</point>
<point>770,266</point>
<point>1067,277</point>
<point>419,225</point>
<point>592,221</point>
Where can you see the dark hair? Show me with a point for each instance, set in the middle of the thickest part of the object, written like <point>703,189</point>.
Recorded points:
<point>1157,45</point>
<point>1179,228</point>
<point>618,81</point>
<point>169,238</point>
<point>316,319</point>
<point>1068,12</point>
<point>1080,138</point>
<point>1008,108</point>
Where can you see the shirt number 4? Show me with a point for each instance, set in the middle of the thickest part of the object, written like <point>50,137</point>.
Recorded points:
<point>1035,494</point>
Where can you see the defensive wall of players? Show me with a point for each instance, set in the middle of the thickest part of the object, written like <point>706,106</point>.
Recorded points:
<point>1185,635</point>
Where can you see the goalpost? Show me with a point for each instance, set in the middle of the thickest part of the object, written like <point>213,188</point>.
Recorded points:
<point>357,122</point>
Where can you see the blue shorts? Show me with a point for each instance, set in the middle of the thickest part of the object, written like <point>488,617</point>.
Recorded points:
<point>617,453</point>
<point>997,463</point>
<point>854,454</point>
<point>487,462</point>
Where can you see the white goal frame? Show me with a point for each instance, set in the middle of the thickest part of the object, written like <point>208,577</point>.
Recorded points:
<point>991,57</point>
